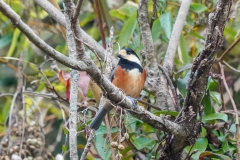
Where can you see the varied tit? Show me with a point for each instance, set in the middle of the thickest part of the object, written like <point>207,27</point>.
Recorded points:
<point>129,76</point>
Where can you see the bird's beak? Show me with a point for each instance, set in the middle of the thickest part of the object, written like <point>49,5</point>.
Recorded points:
<point>119,55</point>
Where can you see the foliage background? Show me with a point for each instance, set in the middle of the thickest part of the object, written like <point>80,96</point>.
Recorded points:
<point>122,15</point>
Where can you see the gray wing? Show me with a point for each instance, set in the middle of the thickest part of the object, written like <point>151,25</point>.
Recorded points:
<point>113,73</point>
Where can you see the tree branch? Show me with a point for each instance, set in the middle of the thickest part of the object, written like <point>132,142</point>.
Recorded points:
<point>156,82</point>
<point>234,108</point>
<point>59,17</point>
<point>112,92</point>
<point>176,32</point>
<point>77,10</point>
<point>199,78</point>
<point>69,11</point>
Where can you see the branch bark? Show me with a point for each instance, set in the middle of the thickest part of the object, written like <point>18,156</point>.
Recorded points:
<point>198,80</point>
<point>69,12</point>
<point>112,92</point>
<point>59,17</point>
<point>176,32</point>
<point>156,82</point>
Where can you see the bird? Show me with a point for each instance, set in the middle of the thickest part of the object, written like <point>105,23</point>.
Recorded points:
<point>129,76</point>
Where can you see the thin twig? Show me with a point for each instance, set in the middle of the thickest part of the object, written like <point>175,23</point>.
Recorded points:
<point>232,112</point>
<point>11,108</point>
<point>6,94</point>
<point>172,88</point>
<point>228,50</point>
<point>154,14</point>
<point>220,86</point>
<point>149,104</point>
<point>77,10</point>
<point>110,137</point>
<point>23,120</point>
<point>108,71</point>
<point>88,145</point>
<point>234,108</point>
<point>97,6</point>
<point>230,67</point>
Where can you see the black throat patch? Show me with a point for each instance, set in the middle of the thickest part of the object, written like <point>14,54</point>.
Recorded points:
<point>129,65</point>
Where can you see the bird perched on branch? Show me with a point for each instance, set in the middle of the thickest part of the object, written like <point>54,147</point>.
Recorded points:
<point>129,76</point>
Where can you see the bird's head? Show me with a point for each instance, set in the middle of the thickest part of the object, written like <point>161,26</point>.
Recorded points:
<point>128,54</point>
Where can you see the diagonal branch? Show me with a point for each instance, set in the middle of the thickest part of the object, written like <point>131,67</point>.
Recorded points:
<point>112,92</point>
<point>60,18</point>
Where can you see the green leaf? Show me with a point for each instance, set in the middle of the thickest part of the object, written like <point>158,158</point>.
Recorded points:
<point>64,148</point>
<point>195,34</point>
<point>94,32</point>
<point>200,145</point>
<point>165,112</point>
<point>166,23</point>
<point>126,10</point>
<point>185,67</point>
<point>182,83</point>
<point>198,7</point>
<point>183,54</point>
<point>141,142</point>
<point>16,34</point>
<point>85,18</point>
<point>216,97</point>
<point>203,132</point>
<point>127,157</point>
<point>103,130</point>
<point>222,138</point>
<point>207,103</point>
<point>232,128</point>
<point>211,84</point>
<point>215,116</point>
<point>65,131</point>
<point>230,32</point>
<point>5,40</point>
<point>212,147</point>
<point>214,155</point>
<point>156,29</point>
<point>4,109</point>
<point>129,8</point>
<point>127,30</point>
<point>116,14</point>
<point>225,146</point>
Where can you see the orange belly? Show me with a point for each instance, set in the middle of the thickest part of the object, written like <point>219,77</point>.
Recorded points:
<point>131,82</point>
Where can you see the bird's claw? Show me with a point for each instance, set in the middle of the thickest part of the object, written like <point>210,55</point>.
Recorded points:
<point>134,102</point>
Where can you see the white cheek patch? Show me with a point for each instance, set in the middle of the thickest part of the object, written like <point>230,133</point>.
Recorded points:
<point>134,59</point>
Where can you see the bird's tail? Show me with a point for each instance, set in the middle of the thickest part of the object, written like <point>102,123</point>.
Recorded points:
<point>97,120</point>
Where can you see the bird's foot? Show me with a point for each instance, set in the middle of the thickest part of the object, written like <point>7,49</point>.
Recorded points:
<point>134,102</point>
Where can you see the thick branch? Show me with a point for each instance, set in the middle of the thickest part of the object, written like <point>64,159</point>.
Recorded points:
<point>69,11</point>
<point>177,30</point>
<point>204,61</point>
<point>199,77</point>
<point>151,62</point>
<point>59,17</point>
<point>112,92</point>
<point>154,75</point>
